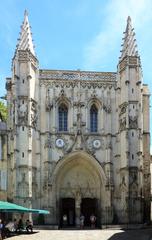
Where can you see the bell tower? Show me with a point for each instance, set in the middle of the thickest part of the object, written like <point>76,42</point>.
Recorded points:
<point>131,131</point>
<point>22,97</point>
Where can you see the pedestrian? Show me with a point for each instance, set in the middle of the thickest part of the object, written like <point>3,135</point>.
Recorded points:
<point>1,229</point>
<point>82,218</point>
<point>93,220</point>
<point>20,225</point>
<point>65,220</point>
<point>29,225</point>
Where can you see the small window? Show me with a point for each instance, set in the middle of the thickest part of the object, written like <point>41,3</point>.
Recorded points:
<point>63,117</point>
<point>22,154</point>
<point>132,90</point>
<point>23,102</point>
<point>133,106</point>
<point>132,156</point>
<point>23,81</point>
<point>132,134</point>
<point>93,118</point>
<point>22,128</point>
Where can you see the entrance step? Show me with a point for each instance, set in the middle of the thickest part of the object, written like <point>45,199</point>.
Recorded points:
<point>46,227</point>
<point>123,226</point>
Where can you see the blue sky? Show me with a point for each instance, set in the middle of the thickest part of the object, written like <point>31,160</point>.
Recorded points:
<point>76,34</point>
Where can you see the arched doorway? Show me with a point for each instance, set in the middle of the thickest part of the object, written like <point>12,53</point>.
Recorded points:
<point>89,206</point>
<point>67,212</point>
<point>79,188</point>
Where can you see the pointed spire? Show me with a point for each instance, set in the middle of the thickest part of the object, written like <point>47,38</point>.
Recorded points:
<point>129,46</point>
<point>25,41</point>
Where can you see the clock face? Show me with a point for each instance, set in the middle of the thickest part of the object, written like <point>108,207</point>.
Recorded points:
<point>60,143</point>
<point>96,144</point>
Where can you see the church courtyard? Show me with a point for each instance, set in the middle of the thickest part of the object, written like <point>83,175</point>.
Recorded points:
<point>138,234</point>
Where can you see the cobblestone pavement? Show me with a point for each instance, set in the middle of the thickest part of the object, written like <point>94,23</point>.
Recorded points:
<point>140,234</point>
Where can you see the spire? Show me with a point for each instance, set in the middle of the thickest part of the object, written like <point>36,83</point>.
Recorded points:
<point>25,41</point>
<point>129,46</point>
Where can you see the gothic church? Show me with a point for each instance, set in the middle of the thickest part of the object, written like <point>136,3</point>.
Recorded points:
<point>79,141</point>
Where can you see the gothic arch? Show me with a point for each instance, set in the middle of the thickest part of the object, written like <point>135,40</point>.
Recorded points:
<point>98,104</point>
<point>94,101</point>
<point>63,99</point>
<point>79,176</point>
<point>73,160</point>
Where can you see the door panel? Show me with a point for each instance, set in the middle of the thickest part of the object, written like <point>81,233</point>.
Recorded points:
<point>88,207</point>
<point>68,210</point>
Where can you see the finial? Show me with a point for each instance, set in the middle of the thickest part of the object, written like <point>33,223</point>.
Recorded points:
<point>25,13</point>
<point>128,19</point>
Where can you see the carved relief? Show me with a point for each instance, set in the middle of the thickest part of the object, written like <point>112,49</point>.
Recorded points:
<point>22,114</point>
<point>75,75</point>
<point>123,185</point>
<point>107,108</point>
<point>123,108</point>
<point>133,122</point>
<point>48,103</point>
<point>34,120</point>
<point>122,124</point>
<point>48,142</point>
<point>34,116</point>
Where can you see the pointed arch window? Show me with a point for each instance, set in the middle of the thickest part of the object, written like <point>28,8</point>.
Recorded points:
<point>93,118</point>
<point>63,117</point>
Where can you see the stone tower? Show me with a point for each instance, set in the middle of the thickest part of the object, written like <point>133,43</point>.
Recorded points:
<point>22,98</point>
<point>133,129</point>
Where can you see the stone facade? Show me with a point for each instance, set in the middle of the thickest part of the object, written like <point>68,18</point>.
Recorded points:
<point>105,172</point>
<point>3,160</point>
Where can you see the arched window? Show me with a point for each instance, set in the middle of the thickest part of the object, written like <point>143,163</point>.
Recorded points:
<point>93,118</point>
<point>63,117</point>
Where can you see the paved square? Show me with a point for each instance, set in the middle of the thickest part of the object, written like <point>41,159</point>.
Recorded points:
<point>87,235</point>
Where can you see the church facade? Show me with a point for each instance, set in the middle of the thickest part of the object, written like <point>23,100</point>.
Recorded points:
<point>79,141</point>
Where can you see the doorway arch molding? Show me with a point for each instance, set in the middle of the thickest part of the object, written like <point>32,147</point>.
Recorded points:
<point>76,156</point>
<point>87,165</point>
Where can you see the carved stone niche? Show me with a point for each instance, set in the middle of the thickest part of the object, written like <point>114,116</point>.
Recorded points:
<point>9,86</point>
<point>22,114</point>
<point>123,108</point>
<point>48,106</point>
<point>122,124</point>
<point>133,176</point>
<point>133,122</point>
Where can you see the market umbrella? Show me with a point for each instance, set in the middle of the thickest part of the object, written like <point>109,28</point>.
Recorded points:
<point>12,207</point>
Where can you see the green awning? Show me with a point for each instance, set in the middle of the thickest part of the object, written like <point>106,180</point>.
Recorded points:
<point>12,207</point>
<point>40,211</point>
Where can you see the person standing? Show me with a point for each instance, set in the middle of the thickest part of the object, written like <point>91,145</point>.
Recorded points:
<point>93,220</point>
<point>82,218</point>
<point>1,229</point>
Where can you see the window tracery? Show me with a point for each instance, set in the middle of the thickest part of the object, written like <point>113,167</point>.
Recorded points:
<point>63,117</point>
<point>93,118</point>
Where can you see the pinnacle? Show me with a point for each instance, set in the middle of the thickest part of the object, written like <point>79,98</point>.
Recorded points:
<point>129,46</point>
<point>25,13</point>
<point>25,41</point>
<point>128,19</point>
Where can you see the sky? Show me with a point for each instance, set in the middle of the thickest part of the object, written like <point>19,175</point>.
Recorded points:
<point>76,34</point>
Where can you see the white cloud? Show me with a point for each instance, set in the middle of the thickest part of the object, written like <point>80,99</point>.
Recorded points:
<point>100,48</point>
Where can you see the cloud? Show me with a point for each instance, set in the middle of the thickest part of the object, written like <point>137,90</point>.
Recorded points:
<point>102,46</point>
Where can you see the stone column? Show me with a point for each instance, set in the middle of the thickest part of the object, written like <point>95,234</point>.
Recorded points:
<point>77,208</point>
